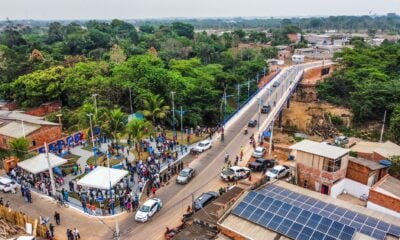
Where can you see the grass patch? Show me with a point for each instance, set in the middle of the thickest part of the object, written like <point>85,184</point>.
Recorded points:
<point>102,160</point>
<point>79,177</point>
<point>68,167</point>
<point>193,138</point>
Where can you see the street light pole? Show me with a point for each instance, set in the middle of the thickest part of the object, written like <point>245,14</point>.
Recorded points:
<point>95,102</point>
<point>59,120</point>
<point>91,131</point>
<point>173,113</point>
<point>53,185</point>
<point>130,99</point>
<point>259,105</point>
<point>109,179</point>
<point>181,126</point>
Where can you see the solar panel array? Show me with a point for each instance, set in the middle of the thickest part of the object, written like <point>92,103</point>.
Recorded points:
<point>301,217</point>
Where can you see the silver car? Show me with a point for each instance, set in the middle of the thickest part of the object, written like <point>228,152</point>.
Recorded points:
<point>185,175</point>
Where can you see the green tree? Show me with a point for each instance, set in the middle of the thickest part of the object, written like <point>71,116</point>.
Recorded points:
<point>395,123</point>
<point>19,147</point>
<point>136,129</point>
<point>154,108</point>
<point>183,29</point>
<point>395,167</point>
<point>115,123</point>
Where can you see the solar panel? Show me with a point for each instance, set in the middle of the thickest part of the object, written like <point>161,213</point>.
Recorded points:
<point>301,217</point>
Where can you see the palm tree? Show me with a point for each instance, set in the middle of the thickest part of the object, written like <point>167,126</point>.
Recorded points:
<point>19,147</point>
<point>114,124</point>
<point>155,108</point>
<point>136,129</point>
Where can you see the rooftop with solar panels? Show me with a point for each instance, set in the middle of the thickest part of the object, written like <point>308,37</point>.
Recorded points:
<point>280,210</point>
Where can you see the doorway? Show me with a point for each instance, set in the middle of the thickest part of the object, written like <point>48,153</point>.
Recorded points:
<point>325,189</point>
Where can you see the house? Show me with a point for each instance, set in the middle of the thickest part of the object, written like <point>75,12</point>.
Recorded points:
<point>376,151</point>
<point>16,124</point>
<point>298,58</point>
<point>365,171</point>
<point>384,196</point>
<point>318,39</point>
<point>319,165</point>
<point>280,211</point>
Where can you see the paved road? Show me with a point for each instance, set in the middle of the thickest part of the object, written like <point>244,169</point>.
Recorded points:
<point>175,197</point>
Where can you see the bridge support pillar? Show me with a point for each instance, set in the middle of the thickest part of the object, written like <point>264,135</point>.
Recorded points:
<point>288,103</point>
<point>280,118</point>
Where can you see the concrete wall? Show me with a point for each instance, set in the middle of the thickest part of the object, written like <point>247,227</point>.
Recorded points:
<point>379,208</point>
<point>352,187</point>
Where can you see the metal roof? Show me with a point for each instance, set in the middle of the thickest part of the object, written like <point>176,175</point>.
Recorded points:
<point>388,149</point>
<point>14,129</point>
<point>320,149</point>
<point>367,163</point>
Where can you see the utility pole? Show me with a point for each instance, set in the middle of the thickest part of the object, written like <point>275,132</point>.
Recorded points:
<point>109,179</point>
<point>173,113</point>
<point>224,104</point>
<point>181,126</point>
<point>248,87</point>
<point>238,95</point>
<point>130,99</point>
<point>53,185</point>
<point>259,105</point>
<point>270,138</point>
<point>383,127</point>
<point>91,131</point>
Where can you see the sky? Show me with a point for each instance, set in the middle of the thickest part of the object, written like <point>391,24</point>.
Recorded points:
<point>145,9</point>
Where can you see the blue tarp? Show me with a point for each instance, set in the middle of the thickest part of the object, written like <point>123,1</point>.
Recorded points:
<point>386,163</point>
<point>118,166</point>
<point>267,134</point>
<point>57,171</point>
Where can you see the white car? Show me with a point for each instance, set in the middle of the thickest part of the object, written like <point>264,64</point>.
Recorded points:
<point>230,173</point>
<point>259,152</point>
<point>202,146</point>
<point>7,185</point>
<point>148,209</point>
<point>276,172</point>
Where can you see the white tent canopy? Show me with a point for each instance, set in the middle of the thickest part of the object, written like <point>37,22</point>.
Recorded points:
<point>39,163</point>
<point>99,178</point>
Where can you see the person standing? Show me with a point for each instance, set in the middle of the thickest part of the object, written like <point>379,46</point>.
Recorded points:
<point>76,234</point>
<point>57,218</point>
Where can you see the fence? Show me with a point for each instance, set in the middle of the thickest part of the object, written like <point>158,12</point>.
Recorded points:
<point>20,219</point>
<point>248,99</point>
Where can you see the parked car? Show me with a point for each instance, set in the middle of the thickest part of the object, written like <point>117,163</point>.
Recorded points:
<point>204,199</point>
<point>148,209</point>
<point>266,109</point>
<point>202,146</point>
<point>7,185</point>
<point>252,123</point>
<point>259,152</point>
<point>230,173</point>
<point>341,140</point>
<point>277,172</point>
<point>185,175</point>
<point>276,84</point>
<point>260,164</point>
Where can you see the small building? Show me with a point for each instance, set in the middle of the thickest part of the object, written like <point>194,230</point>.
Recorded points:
<point>384,196</point>
<point>365,171</point>
<point>319,165</point>
<point>376,151</point>
<point>16,124</point>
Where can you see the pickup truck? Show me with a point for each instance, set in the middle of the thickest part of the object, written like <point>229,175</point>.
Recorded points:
<point>230,173</point>
<point>260,164</point>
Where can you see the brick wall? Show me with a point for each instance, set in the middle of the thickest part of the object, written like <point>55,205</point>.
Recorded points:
<point>358,173</point>
<point>315,177</point>
<point>44,134</point>
<point>384,200</point>
<point>45,109</point>
<point>377,157</point>
<point>231,234</point>
<point>368,156</point>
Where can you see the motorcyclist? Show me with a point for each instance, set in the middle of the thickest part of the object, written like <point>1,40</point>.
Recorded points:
<point>245,130</point>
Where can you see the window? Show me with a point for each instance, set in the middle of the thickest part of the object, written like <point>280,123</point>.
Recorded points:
<point>33,143</point>
<point>332,165</point>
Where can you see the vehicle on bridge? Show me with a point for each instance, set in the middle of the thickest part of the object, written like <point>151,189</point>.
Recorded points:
<point>259,152</point>
<point>252,123</point>
<point>148,209</point>
<point>204,199</point>
<point>261,164</point>
<point>277,172</point>
<point>230,173</point>
<point>202,146</point>
<point>266,109</point>
<point>276,84</point>
<point>185,175</point>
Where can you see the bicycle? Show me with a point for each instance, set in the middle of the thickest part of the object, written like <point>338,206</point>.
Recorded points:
<point>62,204</point>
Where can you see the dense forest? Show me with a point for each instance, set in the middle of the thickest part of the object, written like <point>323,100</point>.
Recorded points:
<point>368,82</point>
<point>72,62</point>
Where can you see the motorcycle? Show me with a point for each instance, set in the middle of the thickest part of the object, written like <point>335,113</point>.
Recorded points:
<point>245,131</point>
